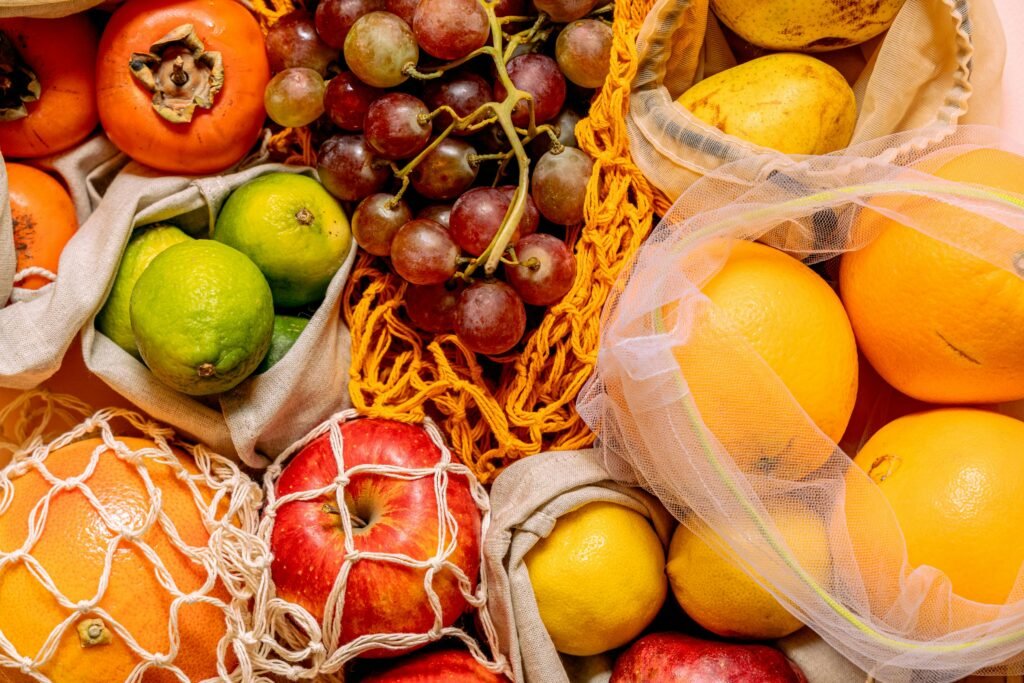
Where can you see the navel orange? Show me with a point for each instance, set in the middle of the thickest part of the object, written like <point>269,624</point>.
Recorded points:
<point>72,548</point>
<point>953,479</point>
<point>940,324</point>
<point>774,349</point>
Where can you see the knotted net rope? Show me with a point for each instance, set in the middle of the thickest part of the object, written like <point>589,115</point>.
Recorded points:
<point>227,501</point>
<point>293,644</point>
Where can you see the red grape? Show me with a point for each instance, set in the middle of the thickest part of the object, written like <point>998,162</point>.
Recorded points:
<point>350,169</point>
<point>510,8</point>
<point>565,127</point>
<point>531,217</point>
<point>490,317</point>
<point>334,18</point>
<point>539,76</point>
<point>431,308</point>
<point>295,97</point>
<point>378,47</point>
<point>564,11</point>
<point>446,172</point>
<point>374,223</point>
<point>546,269</point>
<point>464,92</point>
<point>347,99</point>
<point>583,51</point>
<point>393,126</point>
<point>450,29</point>
<point>294,42</point>
<point>423,253</point>
<point>403,8</point>
<point>436,212</point>
<point>476,218</point>
<point>560,185</point>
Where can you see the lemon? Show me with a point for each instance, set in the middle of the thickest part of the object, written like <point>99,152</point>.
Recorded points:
<point>287,329</point>
<point>598,578</point>
<point>203,315</point>
<point>292,229</point>
<point>720,596</point>
<point>143,247</point>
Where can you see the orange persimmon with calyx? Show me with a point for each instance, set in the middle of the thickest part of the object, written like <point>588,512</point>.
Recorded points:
<point>180,83</point>
<point>48,93</point>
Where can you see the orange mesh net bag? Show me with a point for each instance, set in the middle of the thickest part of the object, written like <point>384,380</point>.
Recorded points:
<point>125,555</point>
<point>906,559</point>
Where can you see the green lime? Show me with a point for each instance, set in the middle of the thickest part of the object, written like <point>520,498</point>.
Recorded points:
<point>143,247</point>
<point>287,329</point>
<point>293,229</point>
<point>203,316</point>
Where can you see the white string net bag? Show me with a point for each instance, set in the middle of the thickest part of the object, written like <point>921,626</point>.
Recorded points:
<point>126,558</point>
<point>296,645</point>
<point>685,406</point>
<point>33,417</point>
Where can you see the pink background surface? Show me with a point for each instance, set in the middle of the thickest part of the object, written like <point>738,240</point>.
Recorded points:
<point>1012,14</point>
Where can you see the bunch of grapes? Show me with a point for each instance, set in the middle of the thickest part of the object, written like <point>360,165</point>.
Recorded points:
<point>427,106</point>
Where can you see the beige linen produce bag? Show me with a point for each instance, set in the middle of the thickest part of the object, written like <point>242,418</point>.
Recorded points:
<point>939,64</point>
<point>45,9</point>
<point>683,399</point>
<point>526,501</point>
<point>265,412</point>
<point>37,326</point>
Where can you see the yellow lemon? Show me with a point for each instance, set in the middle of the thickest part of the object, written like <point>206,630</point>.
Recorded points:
<point>599,578</point>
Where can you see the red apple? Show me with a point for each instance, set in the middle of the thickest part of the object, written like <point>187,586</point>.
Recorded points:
<point>440,666</point>
<point>391,515</point>
<point>675,658</point>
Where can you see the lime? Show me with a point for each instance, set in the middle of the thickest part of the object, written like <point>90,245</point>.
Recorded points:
<point>293,229</point>
<point>143,247</point>
<point>287,329</point>
<point>203,315</point>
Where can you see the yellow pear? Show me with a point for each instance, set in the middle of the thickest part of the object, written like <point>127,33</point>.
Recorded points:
<point>788,102</point>
<point>807,25</point>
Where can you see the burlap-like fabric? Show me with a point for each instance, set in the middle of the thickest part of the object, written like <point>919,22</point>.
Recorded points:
<point>526,501</point>
<point>266,412</point>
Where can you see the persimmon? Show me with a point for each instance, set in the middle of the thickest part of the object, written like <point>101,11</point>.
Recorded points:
<point>47,84</point>
<point>44,220</point>
<point>180,83</point>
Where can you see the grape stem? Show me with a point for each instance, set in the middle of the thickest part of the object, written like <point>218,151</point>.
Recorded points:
<point>403,173</point>
<point>499,113</point>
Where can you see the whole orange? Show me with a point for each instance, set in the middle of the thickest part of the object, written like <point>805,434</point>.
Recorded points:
<point>940,324</point>
<point>74,542</point>
<point>774,349</point>
<point>953,479</point>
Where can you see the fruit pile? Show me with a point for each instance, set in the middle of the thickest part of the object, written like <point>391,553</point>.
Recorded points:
<point>435,102</point>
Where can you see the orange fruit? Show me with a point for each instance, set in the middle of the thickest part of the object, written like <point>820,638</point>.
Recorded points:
<point>72,549</point>
<point>937,323</point>
<point>43,217</point>
<point>953,478</point>
<point>76,379</point>
<point>775,348</point>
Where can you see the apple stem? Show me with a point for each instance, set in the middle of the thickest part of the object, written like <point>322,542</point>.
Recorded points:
<point>357,521</point>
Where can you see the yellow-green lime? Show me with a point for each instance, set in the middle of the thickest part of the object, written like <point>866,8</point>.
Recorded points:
<point>203,316</point>
<point>287,329</point>
<point>293,229</point>
<point>143,247</point>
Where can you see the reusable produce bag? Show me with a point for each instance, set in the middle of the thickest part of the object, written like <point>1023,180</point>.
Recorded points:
<point>526,501</point>
<point>37,326</point>
<point>894,620</point>
<point>940,62</point>
<point>267,411</point>
<point>45,9</point>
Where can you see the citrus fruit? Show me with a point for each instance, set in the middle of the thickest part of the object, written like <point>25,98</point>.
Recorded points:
<point>293,229</point>
<point>953,479</point>
<point>598,577</point>
<point>940,324</point>
<point>287,329</point>
<point>43,218</point>
<point>202,315</point>
<point>143,247</point>
<point>71,549</point>
<point>780,327</point>
<point>723,598</point>
<point>878,404</point>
